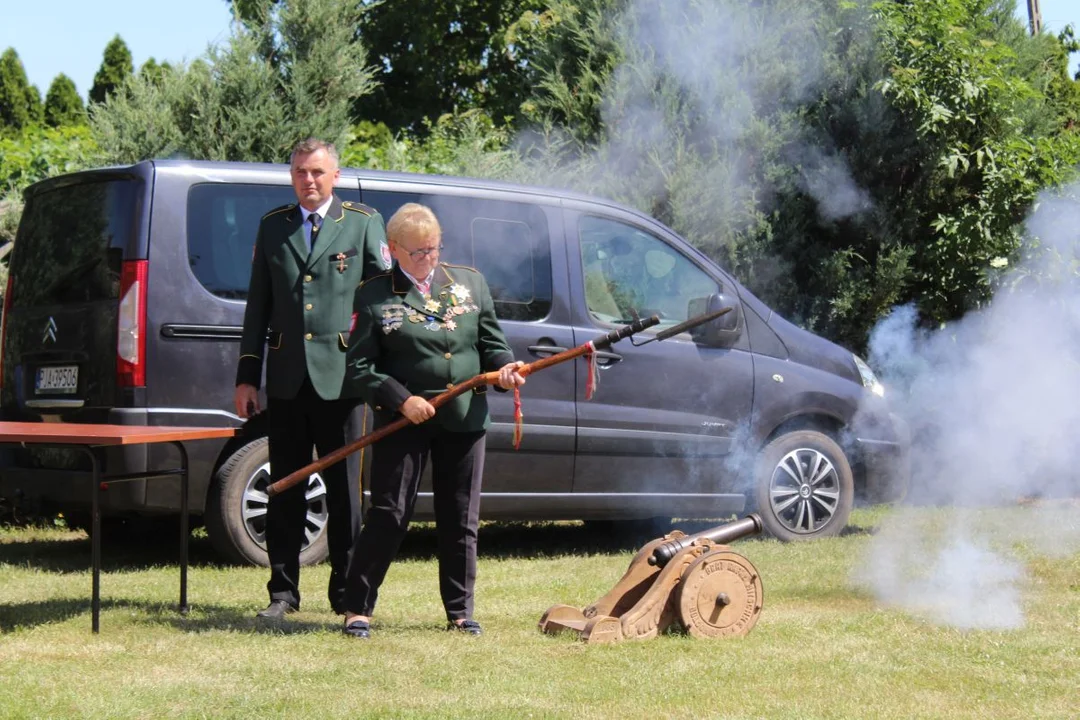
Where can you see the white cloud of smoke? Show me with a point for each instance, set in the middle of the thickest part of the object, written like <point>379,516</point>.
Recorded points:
<point>994,402</point>
<point>707,91</point>
<point>994,399</point>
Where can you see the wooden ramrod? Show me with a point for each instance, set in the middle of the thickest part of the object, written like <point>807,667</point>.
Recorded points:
<point>490,378</point>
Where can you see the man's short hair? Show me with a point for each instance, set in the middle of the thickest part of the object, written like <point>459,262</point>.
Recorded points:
<point>412,220</point>
<point>310,145</point>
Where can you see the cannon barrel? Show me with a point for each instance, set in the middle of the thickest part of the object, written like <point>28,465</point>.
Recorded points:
<point>721,535</point>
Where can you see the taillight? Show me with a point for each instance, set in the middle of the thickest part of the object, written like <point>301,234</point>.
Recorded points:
<point>131,325</point>
<point>3,323</point>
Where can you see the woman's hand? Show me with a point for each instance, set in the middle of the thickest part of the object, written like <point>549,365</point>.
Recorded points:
<point>509,377</point>
<point>417,409</point>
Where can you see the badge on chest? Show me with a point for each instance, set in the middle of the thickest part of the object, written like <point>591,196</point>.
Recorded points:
<point>440,313</point>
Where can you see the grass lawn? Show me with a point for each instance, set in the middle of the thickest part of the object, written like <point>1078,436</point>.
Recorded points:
<point>824,647</point>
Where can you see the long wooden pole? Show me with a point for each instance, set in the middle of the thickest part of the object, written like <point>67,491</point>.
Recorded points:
<point>441,399</point>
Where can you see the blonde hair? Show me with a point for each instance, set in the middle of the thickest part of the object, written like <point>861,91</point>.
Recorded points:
<point>413,220</point>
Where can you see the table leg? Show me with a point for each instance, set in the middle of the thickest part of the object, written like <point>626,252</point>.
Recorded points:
<point>95,541</point>
<point>185,530</point>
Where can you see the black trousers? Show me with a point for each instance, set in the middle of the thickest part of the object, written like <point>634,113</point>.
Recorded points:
<point>397,462</point>
<point>296,426</point>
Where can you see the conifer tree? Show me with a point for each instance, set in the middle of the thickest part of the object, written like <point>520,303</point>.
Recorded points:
<point>63,106</point>
<point>17,109</point>
<point>292,72</point>
<point>116,68</point>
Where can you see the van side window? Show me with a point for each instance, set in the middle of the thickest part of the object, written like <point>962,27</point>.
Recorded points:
<point>223,219</point>
<point>628,271</point>
<point>507,241</point>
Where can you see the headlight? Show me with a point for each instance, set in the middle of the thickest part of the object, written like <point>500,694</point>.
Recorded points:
<point>869,380</point>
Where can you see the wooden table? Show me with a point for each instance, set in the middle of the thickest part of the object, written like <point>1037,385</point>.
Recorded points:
<point>92,440</point>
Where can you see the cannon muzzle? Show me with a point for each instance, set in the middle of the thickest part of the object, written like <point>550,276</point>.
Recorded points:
<point>721,535</point>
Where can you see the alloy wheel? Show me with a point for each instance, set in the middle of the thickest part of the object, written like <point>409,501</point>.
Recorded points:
<point>804,491</point>
<point>256,499</point>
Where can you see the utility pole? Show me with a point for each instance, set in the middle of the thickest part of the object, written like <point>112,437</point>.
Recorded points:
<point>1034,16</point>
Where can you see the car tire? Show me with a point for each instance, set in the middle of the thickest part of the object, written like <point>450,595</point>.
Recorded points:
<point>804,486</point>
<point>236,509</point>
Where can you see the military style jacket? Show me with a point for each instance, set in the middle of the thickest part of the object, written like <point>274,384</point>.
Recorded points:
<point>299,304</point>
<point>407,344</point>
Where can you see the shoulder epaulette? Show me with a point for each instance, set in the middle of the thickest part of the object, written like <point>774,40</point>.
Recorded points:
<point>462,267</point>
<point>277,210</point>
<point>365,281</point>
<point>359,207</point>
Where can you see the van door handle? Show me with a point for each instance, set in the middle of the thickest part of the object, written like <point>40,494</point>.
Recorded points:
<point>606,359</point>
<point>546,349</point>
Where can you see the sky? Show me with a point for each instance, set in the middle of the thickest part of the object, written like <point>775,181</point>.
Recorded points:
<point>69,36</point>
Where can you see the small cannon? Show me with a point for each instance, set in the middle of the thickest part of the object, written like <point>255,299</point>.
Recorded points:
<point>693,580</point>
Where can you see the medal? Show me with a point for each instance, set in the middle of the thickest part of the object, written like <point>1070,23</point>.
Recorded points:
<point>460,292</point>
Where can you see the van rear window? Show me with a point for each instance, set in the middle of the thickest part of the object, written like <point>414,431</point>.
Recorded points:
<point>71,242</point>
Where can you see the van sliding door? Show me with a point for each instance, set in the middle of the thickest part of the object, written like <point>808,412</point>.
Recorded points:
<point>658,435</point>
<point>517,246</point>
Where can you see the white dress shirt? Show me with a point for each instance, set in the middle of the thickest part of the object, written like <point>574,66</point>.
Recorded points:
<point>321,212</point>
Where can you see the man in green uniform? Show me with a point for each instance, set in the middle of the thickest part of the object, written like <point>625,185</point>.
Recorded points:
<point>309,258</point>
<point>420,329</point>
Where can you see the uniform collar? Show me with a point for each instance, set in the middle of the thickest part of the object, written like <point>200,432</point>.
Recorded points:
<point>323,210</point>
<point>401,284</point>
<point>428,280</point>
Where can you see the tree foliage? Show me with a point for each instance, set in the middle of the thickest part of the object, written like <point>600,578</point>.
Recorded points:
<point>116,68</point>
<point>292,71</point>
<point>468,144</point>
<point>63,106</point>
<point>153,71</point>
<point>35,154</point>
<point>20,102</point>
<point>442,56</point>
<point>988,139</point>
<point>841,158</point>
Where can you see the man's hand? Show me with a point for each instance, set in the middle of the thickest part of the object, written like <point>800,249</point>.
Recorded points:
<point>417,409</point>
<point>509,377</point>
<point>246,399</point>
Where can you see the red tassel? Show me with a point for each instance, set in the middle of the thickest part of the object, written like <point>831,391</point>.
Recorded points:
<point>519,419</point>
<point>592,378</point>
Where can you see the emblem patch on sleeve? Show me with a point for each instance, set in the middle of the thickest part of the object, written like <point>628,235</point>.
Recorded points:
<point>384,250</point>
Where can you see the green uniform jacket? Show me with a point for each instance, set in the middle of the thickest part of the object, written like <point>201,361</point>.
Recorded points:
<point>305,300</point>
<point>405,344</point>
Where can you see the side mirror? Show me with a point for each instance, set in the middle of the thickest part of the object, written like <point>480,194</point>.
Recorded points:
<point>724,331</point>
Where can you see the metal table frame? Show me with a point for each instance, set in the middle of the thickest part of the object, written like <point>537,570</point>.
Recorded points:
<point>92,440</point>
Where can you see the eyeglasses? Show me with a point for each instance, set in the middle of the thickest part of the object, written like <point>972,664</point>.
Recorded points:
<point>421,254</point>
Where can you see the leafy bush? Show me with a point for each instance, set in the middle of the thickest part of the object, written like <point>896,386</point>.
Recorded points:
<point>291,71</point>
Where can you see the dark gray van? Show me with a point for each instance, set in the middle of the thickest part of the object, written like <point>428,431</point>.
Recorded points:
<point>126,299</point>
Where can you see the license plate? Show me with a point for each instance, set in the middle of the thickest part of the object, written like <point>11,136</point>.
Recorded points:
<point>63,379</point>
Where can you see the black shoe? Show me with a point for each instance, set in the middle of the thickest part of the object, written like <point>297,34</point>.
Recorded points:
<point>469,627</point>
<point>359,629</point>
<point>276,610</point>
